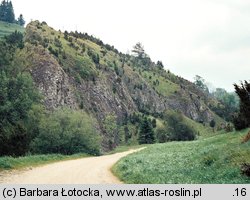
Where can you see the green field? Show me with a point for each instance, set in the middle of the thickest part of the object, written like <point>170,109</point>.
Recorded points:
<point>7,28</point>
<point>7,162</point>
<point>216,159</point>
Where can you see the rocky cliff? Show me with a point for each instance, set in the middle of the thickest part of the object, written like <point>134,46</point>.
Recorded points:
<point>79,71</point>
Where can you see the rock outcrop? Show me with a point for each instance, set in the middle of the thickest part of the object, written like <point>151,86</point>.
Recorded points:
<point>106,90</point>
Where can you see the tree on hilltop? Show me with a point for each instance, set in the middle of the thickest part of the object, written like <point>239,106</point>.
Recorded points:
<point>3,9</point>
<point>21,20</point>
<point>138,50</point>
<point>200,83</point>
<point>160,64</point>
<point>10,15</point>
<point>7,12</point>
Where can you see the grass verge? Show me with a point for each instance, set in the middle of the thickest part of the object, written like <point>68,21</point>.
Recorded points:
<point>209,160</point>
<point>121,149</point>
<point>8,163</point>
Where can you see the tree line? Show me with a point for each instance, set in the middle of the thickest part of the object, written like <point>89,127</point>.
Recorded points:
<point>7,13</point>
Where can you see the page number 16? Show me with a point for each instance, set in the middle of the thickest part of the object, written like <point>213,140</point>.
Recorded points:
<point>241,192</point>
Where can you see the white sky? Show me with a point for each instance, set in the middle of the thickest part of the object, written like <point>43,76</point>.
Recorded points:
<point>210,38</point>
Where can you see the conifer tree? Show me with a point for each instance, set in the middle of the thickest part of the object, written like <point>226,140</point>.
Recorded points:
<point>21,20</point>
<point>242,120</point>
<point>10,16</point>
<point>138,50</point>
<point>7,12</point>
<point>146,134</point>
<point>3,9</point>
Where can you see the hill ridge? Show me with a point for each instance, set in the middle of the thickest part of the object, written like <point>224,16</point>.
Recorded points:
<point>72,70</point>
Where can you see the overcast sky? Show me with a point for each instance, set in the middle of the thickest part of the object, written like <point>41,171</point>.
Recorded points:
<point>210,38</point>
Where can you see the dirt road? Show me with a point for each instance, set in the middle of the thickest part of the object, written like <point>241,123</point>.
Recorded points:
<point>81,171</point>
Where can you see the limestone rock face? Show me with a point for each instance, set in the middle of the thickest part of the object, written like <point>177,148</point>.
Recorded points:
<point>68,72</point>
<point>52,81</point>
<point>99,97</point>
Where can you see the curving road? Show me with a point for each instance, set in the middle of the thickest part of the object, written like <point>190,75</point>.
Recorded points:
<point>92,170</point>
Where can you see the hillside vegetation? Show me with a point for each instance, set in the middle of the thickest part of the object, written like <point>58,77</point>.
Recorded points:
<point>97,78</point>
<point>216,159</point>
<point>69,93</point>
<point>55,84</point>
<point>8,28</point>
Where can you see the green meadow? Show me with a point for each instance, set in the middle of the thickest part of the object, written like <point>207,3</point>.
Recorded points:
<point>215,159</point>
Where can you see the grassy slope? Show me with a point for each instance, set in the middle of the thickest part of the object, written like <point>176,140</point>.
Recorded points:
<point>7,163</point>
<point>78,64</point>
<point>165,87</point>
<point>7,28</point>
<point>216,159</point>
<point>168,84</point>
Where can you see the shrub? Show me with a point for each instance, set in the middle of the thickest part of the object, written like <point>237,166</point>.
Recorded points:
<point>135,118</point>
<point>83,48</point>
<point>57,43</point>
<point>85,68</point>
<point>112,130</point>
<point>114,89</point>
<point>116,70</point>
<point>209,160</point>
<point>70,39</point>
<point>212,123</point>
<point>245,169</point>
<point>162,134</point>
<point>66,35</point>
<point>67,132</point>
<point>94,56</point>
<point>229,127</point>
<point>178,129</point>
<point>53,51</point>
